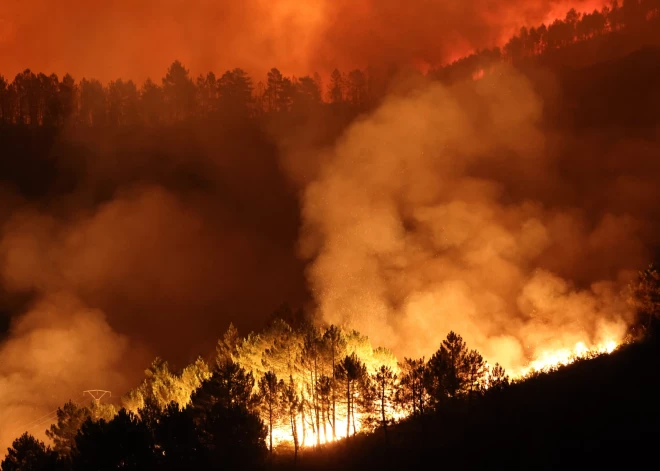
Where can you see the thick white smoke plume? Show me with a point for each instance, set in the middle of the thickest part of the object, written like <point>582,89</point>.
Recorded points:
<point>443,210</point>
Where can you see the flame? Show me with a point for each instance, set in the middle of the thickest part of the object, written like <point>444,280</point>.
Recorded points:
<point>282,433</point>
<point>549,360</point>
<point>479,74</point>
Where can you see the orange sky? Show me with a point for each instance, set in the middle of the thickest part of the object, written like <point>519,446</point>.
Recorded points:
<point>140,38</point>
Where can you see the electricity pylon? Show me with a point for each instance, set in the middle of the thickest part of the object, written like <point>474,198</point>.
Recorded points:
<point>97,394</point>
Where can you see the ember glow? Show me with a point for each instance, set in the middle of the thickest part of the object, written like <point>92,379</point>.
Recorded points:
<point>548,360</point>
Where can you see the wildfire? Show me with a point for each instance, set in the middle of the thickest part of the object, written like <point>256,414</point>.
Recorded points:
<point>309,434</point>
<point>308,438</point>
<point>549,360</point>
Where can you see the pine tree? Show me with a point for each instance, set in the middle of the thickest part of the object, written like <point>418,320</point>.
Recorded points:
<point>350,371</point>
<point>497,378</point>
<point>29,454</point>
<point>70,418</point>
<point>227,347</point>
<point>291,405</point>
<point>269,394</point>
<point>385,381</point>
<point>335,344</point>
<point>412,392</point>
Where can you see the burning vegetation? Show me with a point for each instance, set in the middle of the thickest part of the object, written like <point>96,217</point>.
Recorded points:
<point>457,233</point>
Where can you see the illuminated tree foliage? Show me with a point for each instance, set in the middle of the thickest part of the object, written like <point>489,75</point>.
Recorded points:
<point>315,385</point>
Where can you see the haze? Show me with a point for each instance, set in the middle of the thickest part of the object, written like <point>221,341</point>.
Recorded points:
<point>139,39</point>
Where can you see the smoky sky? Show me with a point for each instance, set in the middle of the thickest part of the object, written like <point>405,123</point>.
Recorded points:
<point>462,208</point>
<point>446,208</point>
<point>137,244</point>
<point>137,39</point>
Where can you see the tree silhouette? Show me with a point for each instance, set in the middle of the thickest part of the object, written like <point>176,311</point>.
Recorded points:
<point>311,361</point>
<point>412,394</point>
<point>5,114</point>
<point>179,92</point>
<point>307,96</point>
<point>351,371</point>
<point>356,88</point>
<point>335,344</point>
<point>92,103</point>
<point>234,436</point>
<point>125,442</point>
<point>475,373</point>
<point>235,93</point>
<point>67,97</point>
<point>177,441</point>
<point>274,90</point>
<point>385,380</point>
<point>291,406</point>
<point>230,385</point>
<point>122,103</point>
<point>29,454</point>
<point>324,392</point>
<point>498,380</point>
<point>70,418</point>
<point>151,103</point>
<point>336,87</point>
<point>446,367</point>
<point>269,392</point>
<point>207,94</point>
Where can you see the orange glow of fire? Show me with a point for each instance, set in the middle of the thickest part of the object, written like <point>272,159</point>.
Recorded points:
<point>282,433</point>
<point>549,360</point>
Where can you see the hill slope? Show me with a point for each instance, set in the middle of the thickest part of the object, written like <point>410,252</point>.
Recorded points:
<point>592,413</point>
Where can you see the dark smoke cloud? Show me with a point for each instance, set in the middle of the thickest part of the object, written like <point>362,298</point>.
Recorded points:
<point>138,39</point>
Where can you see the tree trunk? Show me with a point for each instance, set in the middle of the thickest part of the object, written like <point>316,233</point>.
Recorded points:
<point>334,409</point>
<point>353,413</point>
<point>316,405</point>
<point>325,430</point>
<point>270,422</point>
<point>302,417</point>
<point>382,403</point>
<point>348,408</point>
<point>294,432</point>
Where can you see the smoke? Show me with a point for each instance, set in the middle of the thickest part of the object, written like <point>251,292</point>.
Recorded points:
<point>451,209</point>
<point>138,39</point>
<point>153,244</point>
<point>56,350</point>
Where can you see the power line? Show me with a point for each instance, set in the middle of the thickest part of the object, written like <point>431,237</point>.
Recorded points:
<point>41,420</point>
<point>37,422</point>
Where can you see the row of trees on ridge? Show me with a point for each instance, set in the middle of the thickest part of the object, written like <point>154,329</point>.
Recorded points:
<point>40,99</point>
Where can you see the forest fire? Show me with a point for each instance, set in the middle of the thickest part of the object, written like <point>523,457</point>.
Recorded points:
<point>446,232</point>
<point>548,360</point>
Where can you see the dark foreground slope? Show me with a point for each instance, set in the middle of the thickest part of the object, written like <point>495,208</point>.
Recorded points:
<point>598,412</point>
